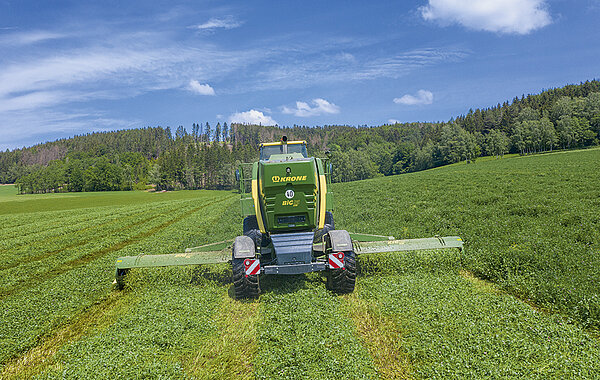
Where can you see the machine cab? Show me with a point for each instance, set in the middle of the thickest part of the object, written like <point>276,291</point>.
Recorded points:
<point>283,150</point>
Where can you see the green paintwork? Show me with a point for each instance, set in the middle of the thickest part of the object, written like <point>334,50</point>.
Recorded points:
<point>221,252</point>
<point>173,259</point>
<point>368,237</point>
<point>218,246</point>
<point>275,182</point>
<point>408,244</point>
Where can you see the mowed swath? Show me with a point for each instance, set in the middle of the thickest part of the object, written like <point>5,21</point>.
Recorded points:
<point>522,220</point>
<point>65,286</point>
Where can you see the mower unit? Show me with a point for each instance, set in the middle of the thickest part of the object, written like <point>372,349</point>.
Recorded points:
<point>288,227</point>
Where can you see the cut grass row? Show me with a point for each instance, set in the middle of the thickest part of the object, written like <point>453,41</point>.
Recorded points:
<point>66,230</point>
<point>34,272</point>
<point>41,307</point>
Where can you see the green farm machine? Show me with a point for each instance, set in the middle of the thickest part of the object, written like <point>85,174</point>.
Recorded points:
<point>288,227</point>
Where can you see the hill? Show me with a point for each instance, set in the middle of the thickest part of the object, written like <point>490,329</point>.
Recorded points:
<point>529,225</point>
<point>204,158</point>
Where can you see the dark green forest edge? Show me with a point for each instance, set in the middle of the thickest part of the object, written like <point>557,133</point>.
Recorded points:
<point>206,156</point>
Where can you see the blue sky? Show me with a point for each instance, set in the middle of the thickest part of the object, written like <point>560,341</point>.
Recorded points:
<point>73,67</point>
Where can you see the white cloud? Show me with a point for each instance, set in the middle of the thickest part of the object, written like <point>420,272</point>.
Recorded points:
<point>303,109</point>
<point>507,16</point>
<point>393,121</point>
<point>66,78</point>
<point>290,69</point>
<point>422,97</point>
<point>251,117</point>
<point>31,37</point>
<point>228,22</point>
<point>201,89</point>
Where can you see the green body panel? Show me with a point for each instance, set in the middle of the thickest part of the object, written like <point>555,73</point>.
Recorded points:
<point>329,199</point>
<point>368,237</point>
<point>279,213</point>
<point>247,206</point>
<point>174,259</point>
<point>408,244</point>
<point>277,178</point>
<point>245,182</point>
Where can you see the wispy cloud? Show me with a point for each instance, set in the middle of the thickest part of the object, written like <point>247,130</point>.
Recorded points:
<point>303,109</point>
<point>117,72</point>
<point>201,89</point>
<point>40,81</point>
<point>227,22</point>
<point>507,17</point>
<point>293,70</point>
<point>30,37</point>
<point>422,97</point>
<point>252,117</point>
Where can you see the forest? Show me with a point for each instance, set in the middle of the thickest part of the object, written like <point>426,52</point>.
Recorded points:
<point>206,156</point>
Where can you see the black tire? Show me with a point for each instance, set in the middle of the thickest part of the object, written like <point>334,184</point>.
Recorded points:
<point>244,286</point>
<point>342,281</point>
<point>329,225</point>
<point>329,220</point>
<point>251,230</point>
<point>250,223</point>
<point>120,277</point>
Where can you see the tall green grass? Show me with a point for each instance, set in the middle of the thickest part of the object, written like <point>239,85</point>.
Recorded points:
<point>530,224</point>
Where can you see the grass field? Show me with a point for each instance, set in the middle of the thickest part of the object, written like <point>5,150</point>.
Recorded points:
<point>524,304</point>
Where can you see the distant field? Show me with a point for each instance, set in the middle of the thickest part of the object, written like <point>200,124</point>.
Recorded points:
<point>7,192</point>
<point>530,224</point>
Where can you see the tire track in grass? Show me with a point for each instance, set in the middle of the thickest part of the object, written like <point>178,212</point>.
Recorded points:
<point>32,269</point>
<point>171,317</point>
<point>457,329</point>
<point>75,228</point>
<point>381,336</point>
<point>76,244</point>
<point>83,260</point>
<point>42,356</point>
<point>95,227</point>
<point>486,286</point>
<point>230,351</point>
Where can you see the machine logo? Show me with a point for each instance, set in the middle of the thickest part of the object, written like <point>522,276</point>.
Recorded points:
<point>289,194</point>
<point>277,178</point>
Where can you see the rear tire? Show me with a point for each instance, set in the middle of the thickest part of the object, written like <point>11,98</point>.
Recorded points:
<point>244,286</point>
<point>251,230</point>
<point>328,226</point>
<point>342,281</point>
<point>329,220</point>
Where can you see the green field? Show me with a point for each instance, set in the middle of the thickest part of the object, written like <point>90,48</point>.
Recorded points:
<point>524,304</point>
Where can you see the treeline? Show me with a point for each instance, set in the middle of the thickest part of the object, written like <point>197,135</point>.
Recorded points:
<point>205,157</point>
